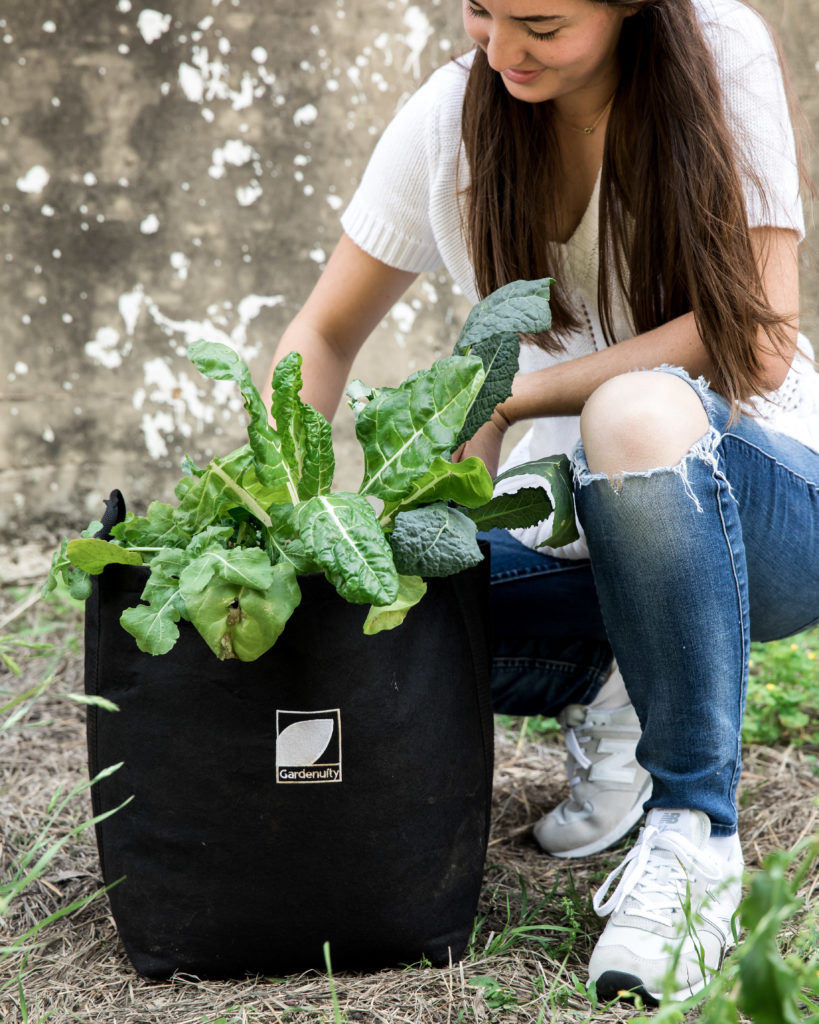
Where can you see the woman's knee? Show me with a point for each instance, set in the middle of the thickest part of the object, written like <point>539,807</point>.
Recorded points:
<point>641,421</point>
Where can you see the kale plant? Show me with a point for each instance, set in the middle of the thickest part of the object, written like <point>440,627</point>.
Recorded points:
<point>227,557</point>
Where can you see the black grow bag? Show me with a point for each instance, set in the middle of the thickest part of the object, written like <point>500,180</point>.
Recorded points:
<point>231,863</point>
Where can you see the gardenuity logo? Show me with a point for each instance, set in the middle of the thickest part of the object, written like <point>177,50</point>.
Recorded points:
<point>308,746</point>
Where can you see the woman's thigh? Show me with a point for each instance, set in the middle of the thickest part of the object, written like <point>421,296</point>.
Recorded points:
<point>774,481</point>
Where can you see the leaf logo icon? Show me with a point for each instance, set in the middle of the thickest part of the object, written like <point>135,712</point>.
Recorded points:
<point>303,743</point>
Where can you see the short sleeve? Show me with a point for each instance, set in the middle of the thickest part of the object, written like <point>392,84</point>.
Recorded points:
<point>756,108</point>
<point>389,214</point>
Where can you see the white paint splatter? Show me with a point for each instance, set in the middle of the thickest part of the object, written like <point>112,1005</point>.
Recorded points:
<point>305,115</point>
<point>89,178</point>
<point>47,210</point>
<point>416,38</point>
<point>123,6</point>
<point>152,24</point>
<point>20,368</point>
<point>404,316</point>
<point>334,202</point>
<point>191,83</point>
<point>181,264</point>
<point>259,54</point>
<point>48,434</point>
<point>34,180</point>
<point>150,225</point>
<point>129,305</point>
<point>318,255</point>
<point>103,348</point>
<point>247,195</point>
<point>49,26</point>
<point>234,152</point>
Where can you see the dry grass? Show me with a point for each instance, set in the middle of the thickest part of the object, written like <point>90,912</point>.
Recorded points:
<point>79,972</point>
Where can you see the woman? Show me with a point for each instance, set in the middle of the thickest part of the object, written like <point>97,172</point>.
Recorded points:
<point>640,153</point>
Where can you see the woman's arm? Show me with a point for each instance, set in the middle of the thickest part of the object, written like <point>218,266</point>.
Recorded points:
<point>354,292</point>
<point>562,389</point>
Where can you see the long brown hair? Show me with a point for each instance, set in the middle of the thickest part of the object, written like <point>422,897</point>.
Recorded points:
<point>673,225</point>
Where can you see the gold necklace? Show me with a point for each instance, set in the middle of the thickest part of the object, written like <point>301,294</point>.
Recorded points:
<point>597,120</point>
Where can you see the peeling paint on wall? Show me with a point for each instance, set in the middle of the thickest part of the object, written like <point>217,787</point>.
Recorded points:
<point>174,172</point>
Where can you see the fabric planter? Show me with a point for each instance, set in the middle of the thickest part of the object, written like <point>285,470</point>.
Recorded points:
<point>337,789</point>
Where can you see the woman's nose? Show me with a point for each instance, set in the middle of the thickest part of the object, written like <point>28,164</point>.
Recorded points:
<point>503,48</point>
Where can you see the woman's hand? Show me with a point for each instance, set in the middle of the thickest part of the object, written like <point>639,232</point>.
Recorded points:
<point>486,443</point>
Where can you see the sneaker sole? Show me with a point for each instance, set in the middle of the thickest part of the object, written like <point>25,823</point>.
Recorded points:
<point>624,826</point>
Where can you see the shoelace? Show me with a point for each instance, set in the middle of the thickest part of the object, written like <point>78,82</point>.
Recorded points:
<point>655,883</point>
<point>578,759</point>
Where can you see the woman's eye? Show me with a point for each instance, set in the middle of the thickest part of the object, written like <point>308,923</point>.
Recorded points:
<point>478,12</point>
<point>542,35</point>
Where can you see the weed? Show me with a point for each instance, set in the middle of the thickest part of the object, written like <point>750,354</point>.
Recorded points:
<point>783,692</point>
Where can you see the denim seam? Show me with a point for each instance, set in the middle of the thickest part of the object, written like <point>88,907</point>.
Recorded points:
<point>770,458</point>
<point>742,613</point>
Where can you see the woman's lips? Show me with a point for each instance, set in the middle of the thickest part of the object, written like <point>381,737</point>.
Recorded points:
<point>521,77</point>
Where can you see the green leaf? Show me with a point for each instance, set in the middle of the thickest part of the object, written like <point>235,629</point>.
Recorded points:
<point>434,541</point>
<point>92,555</point>
<point>154,626</point>
<point>242,622</point>
<point>281,540</point>
<point>243,567</point>
<point>158,528</point>
<point>403,429</point>
<point>521,307</point>
<point>466,483</point>
<point>305,435</point>
<point>219,490</point>
<point>492,331</point>
<point>526,507</point>
<point>382,617</point>
<point>555,472</point>
<point>218,362</point>
<point>341,534</point>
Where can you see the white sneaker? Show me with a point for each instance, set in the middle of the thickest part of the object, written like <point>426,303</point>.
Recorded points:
<point>650,941</point>
<point>608,786</point>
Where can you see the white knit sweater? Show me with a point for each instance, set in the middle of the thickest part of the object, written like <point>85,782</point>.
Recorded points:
<point>406,213</point>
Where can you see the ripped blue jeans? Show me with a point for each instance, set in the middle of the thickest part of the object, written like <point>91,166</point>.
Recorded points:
<point>688,564</point>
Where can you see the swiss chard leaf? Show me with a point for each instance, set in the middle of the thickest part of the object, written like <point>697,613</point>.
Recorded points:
<point>159,528</point>
<point>435,540</point>
<point>243,622</point>
<point>554,471</point>
<point>410,591</point>
<point>492,331</point>
<point>342,536</point>
<point>304,434</point>
<point>218,362</point>
<point>466,483</point>
<point>403,429</point>
<point>154,625</point>
<point>216,492</point>
<point>521,307</point>
<point>243,567</point>
<point>526,507</point>
<point>91,554</point>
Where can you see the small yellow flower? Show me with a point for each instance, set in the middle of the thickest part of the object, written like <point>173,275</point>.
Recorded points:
<point>770,686</point>
<point>794,647</point>
<point>750,663</point>
<point>811,655</point>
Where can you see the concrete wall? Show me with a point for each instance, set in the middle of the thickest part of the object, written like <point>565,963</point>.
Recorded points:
<point>175,173</point>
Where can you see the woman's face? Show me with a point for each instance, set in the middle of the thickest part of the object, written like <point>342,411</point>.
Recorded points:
<point>549,49</point>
